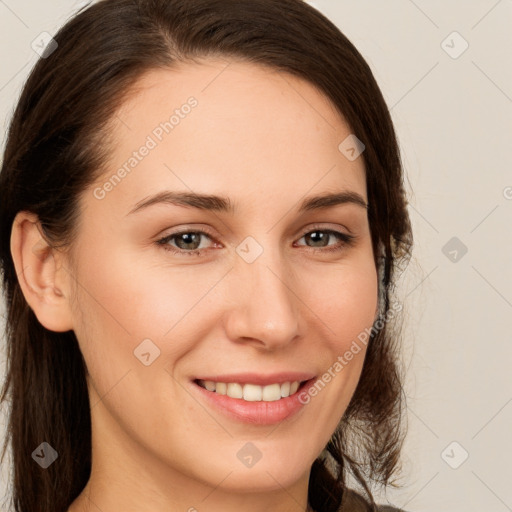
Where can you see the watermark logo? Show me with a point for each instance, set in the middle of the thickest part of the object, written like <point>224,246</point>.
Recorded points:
<point>454,455</point>
<point>351,147</point>
<point>249,249</point>
<point>45,455</point>
<point>249,455</point>
<point>454,45</point>
<point>454,249</point>
<point>146,352</point>
<point>44,45</point>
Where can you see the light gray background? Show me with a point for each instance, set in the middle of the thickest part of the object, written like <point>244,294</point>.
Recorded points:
<point>454,121</point>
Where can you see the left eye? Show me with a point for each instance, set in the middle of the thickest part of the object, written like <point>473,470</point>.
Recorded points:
<point>323,235</point>
<point>186,241</point>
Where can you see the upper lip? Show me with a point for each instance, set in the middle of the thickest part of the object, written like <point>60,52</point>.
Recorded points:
<point>258,378</point>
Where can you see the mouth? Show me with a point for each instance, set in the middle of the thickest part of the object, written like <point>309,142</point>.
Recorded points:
<point>253,392</point>
<point>254,398</point>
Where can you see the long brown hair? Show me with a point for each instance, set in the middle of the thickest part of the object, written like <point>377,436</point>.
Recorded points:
<point>55,149</point>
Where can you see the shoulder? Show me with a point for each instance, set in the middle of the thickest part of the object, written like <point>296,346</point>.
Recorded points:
<point>354,502</point>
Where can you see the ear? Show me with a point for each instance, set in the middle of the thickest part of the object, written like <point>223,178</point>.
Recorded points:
<point>43,279</point>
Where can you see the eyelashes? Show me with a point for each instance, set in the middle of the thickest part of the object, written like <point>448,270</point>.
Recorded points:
<point>344,240</point>
<point>195,252</point>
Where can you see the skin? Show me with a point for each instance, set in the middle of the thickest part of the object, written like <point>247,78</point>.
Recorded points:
<point>266,140</point>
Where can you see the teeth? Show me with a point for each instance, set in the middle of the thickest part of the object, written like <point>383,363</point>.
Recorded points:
<point>271,392</point>
<point>221,388</point>
<point>285,389</point>
<point>235,390</point>
<point>209,385</point>
<point>252,392</point>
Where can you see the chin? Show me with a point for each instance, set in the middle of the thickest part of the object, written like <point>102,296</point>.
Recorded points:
<point>261,480</point>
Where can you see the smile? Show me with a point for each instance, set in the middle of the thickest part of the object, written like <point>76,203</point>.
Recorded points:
<point>252,392</point>
<point>254,397</point>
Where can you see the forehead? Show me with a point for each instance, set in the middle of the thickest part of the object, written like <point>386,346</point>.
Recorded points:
<point>230,127</point>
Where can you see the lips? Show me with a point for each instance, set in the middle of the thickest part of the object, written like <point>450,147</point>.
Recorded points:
<point>254,398</point>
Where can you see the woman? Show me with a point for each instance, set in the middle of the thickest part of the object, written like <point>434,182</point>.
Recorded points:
<point>186,330</point>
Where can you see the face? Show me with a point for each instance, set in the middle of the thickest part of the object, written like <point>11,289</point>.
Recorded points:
<point>249,288</point>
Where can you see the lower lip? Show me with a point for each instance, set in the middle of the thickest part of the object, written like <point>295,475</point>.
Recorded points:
<point>256,413</point>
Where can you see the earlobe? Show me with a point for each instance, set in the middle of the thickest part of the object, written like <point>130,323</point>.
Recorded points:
<point>43,280</point>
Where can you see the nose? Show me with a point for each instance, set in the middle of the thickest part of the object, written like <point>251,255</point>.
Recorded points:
<point>264,311</point>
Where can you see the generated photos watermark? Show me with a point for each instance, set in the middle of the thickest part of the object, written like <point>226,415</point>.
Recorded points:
<point>152,141</point>
<point>343,360</point>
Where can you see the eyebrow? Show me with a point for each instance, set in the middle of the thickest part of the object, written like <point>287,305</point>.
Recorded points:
<point>224,204</point>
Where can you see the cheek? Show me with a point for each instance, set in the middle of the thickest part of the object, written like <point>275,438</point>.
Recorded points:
<point>345,305</point>
<point>135,297</point>
<point>124,301</point>
<point>345,300</point>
